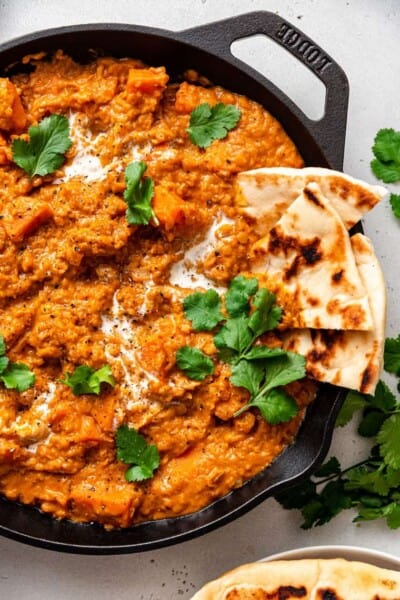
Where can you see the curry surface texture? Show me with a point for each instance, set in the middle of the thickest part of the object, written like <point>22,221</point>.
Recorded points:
<point>79,286</point>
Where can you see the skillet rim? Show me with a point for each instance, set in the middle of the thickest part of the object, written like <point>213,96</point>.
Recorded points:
<point>27,521</point>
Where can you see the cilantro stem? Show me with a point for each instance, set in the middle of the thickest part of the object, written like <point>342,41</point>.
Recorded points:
<point>344,471</point>
<point>265,388</point>
<point>248,347</point>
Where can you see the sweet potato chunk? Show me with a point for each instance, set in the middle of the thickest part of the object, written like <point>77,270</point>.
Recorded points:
<point>24,217</point>
<point>5,151</point>
<point>147,80</point>
<point>12,114</point>
<point>103,499</point>
<point>168,208</point>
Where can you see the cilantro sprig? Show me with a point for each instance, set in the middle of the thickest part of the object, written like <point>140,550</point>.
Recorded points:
<point>386,149</point>
<point>138,194</point>
<point>86,380</point>
<point>133,450</point>
<point>386,164</point>
<point>14,376</point>
<point>194,363</point>
<point>262,371</point>
<point>45,151</point>
<point>209,123</point>
<point>371,486</point>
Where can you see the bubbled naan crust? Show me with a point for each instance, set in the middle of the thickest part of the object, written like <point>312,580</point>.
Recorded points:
<point>308,579</point>
<point>351,359</point>
<point>264,194</point>
<point>309,263</point>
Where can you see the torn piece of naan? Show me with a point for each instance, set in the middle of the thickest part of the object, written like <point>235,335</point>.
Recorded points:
<point>265,194</point>
<point>308,262</point>
<point>307,579</point>
<point>351,359</point>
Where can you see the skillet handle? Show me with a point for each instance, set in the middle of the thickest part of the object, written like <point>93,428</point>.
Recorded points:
<point>330,130</point>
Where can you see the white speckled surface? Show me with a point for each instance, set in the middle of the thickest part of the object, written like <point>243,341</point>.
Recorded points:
<point>363,36</point>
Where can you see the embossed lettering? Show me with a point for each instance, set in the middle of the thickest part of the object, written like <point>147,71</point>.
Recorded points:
<point>282,30</point>
<point>312,54</point>
<point>303,47</point>
<point>292,38</point>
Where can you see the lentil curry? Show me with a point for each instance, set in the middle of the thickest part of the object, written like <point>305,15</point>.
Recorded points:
<point>80,286</point>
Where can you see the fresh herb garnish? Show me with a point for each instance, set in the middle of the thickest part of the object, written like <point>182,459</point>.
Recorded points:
<point>203,309</point>
<point>85,380</point>
<point>267,394</point>
<point>45,151</point>
<point>209,123</point>
<point>14,376</point>
<point>133,449</point>
<point>372,486</point>
<point>392,355</point>
<point>386,148</point>
<point>394,200</point>
<point>263,371</point>
<point>138,194</point>
<point>194,363</point>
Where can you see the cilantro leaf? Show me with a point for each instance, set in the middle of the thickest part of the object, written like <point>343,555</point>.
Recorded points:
<point>86,380</point>
<point>194,363</point>
<point>2,346</point>
<point>138,194</point>
<point>387,145</point>
<point>238,295</point>
<point>394,200</point>
<point>371,423</point>
<point>14,376</point>
<point>383,399</point>
<point>17,376</point>
<point>3,363</point>
<point>371,481</point>
<point>392,355</point>
<point>298,496</point>
<point>354,401</point>
<point>267,315</point>
<point>263,352</point>
<point>45,151</point>
<point>133,449</point>
<point>389,440</point>
<point>386,148</point>
<point>203,309</point>
<point>276,406</point>
<point>282,370</point>
<point>331,467</point>
<point>392,514</point>
<point>234,335</point>
<point>248,375</point>
<point>209,123</point>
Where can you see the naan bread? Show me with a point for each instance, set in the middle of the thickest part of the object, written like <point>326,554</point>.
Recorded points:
<point>308,579</point>
<point>308,262</point>
<point>265,194</point>
<point>352,359</point>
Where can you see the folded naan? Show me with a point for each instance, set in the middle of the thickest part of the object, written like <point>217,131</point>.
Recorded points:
<point>351,359</point>
<point>265,194</point>
<point>308,579</point>
<point>308,262</point>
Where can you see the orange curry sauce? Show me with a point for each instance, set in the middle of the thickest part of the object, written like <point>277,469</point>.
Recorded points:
<point>79,286</point>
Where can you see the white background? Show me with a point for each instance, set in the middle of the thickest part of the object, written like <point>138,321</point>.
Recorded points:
<point>363,37</point>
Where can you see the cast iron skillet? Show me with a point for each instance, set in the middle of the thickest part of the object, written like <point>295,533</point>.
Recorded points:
<point>321,143</point>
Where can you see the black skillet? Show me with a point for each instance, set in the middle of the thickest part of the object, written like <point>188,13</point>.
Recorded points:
<point>321,143</point>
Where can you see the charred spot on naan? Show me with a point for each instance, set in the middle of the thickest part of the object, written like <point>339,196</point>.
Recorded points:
<point>353,316</point>
<point>327,594</point>
<point>308,253</point>
<point>363,198</point>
